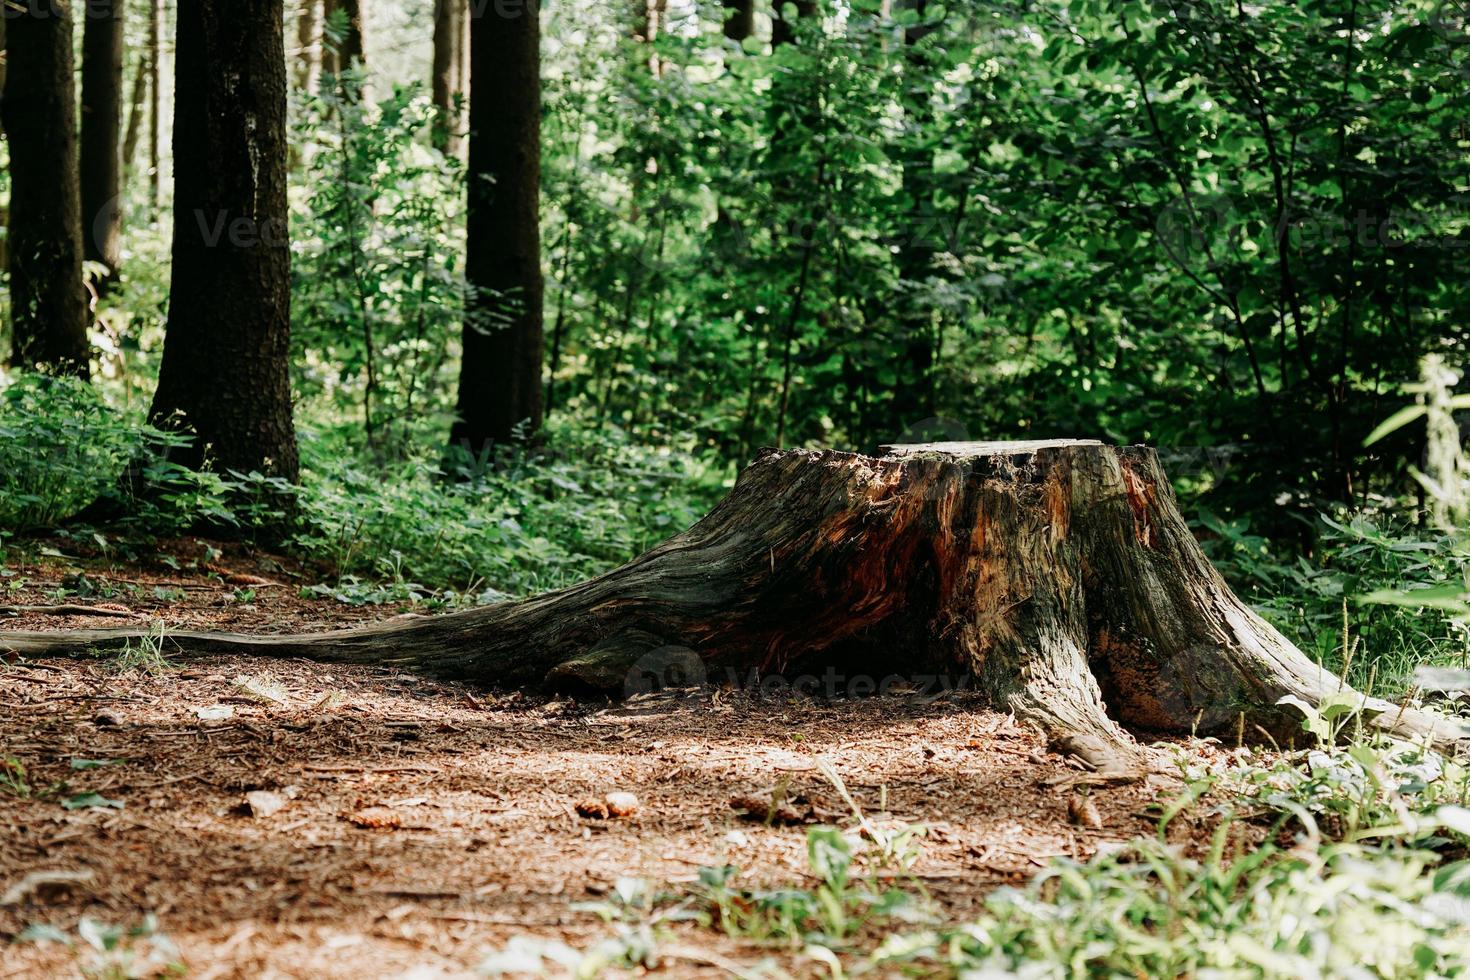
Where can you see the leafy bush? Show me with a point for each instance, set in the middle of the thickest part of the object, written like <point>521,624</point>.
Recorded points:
<point>1318,599</point>
<point>528,521</point>
<point>377,295</point>
<point>531,519</point>
<point>1340,910</point>
<point>61,447</point>
<point>1345,601</point>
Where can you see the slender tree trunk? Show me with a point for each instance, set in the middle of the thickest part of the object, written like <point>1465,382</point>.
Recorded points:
<point>48,305</point>
<point>500,371</point>
<point>446,73</point>
<point>573,210</point>
<point>353,51</point>
<point>462,76</point>
<point>308,44</point>
<point>648,23</point>
<point>739,19</point>
<point>913,396</point>
<point>4,205</point>
<point>781,160</point>
<point>331,51</point>
<point>155,96</point>
<point>225,358</point>
<point>101,159</point>
<point>137,106</point>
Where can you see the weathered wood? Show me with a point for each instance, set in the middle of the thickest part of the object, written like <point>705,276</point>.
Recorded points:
<point>1058,574</point>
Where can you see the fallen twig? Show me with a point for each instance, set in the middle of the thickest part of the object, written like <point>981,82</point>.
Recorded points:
<point>69,609</point>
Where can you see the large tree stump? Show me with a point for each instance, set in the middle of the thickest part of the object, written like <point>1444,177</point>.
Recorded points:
<point>1059,575</point>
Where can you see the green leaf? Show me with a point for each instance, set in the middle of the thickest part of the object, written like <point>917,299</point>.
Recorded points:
<point>1394,422</point>
<point>1312,721</point>
<point>1450,598</point>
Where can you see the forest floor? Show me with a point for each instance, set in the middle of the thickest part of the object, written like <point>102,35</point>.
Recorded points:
<point>423,825</point>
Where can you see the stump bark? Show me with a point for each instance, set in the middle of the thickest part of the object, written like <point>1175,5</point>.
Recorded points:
<point>1058,575</point>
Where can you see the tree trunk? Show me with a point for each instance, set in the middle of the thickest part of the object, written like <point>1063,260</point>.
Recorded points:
<point>331,61</point>
<point>739,19</point>
<point>5,204</point>
<point>155,96</point>
<point>137,105</point>
<point>446,73</point>
<point>353,52</point>
<point>101,160</point>
<point>500,371</point>
<point>308,44</point>
<point>48,305</point>
<point>913,394</point>
<point>1057,576</point>
<point>648,24</point>
<point>224,374</point>
<point>462,75</point>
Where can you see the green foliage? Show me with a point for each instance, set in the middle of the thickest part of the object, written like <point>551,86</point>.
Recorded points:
<point>1150,911</point>
<point>533,519</point>
<point>13,778</point>
<point>1200,226</point>
<point>61,447</point>
<point>1384,588</point>
<point>840,906</point>
<point>1371,883</point>
<point>377,295</point>
<point>1446,482</point>
<point>1318,599</point>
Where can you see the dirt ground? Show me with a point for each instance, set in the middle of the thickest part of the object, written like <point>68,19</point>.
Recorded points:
<point>425,825</point>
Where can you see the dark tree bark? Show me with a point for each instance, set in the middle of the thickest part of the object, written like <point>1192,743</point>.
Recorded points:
<point>739,19</point>
<point>1057,576</point>
<point>225,369</point>
<point>47,297</point>
<point>308,44</point>
<point>446,72</point>
<point>101,159</point>
<point>500,372</point>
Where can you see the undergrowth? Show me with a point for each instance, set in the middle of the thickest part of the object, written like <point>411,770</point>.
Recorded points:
<point>447,528</point>
<point>1338,861</point>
